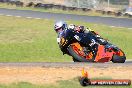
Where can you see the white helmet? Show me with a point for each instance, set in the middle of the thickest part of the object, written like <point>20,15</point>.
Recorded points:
<point>60,25</point>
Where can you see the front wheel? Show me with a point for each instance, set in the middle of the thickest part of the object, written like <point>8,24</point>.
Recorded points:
<point>76,51</point>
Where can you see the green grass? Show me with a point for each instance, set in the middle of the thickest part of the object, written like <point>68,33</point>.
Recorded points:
<point>32,40</point>
<point>89,13</point>
<point>28,40</point>
<point>74,83</point>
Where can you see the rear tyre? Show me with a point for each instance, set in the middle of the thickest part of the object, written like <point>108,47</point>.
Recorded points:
<point>118,59</point>
<point>76,57</point>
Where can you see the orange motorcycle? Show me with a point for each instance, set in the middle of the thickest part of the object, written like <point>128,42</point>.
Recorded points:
<point>87,47</point>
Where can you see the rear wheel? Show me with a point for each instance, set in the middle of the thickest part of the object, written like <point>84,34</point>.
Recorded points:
<point>76,51</point>
<point>119,57</point>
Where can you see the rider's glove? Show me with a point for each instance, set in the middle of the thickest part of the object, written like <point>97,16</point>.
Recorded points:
<point>71,26</point>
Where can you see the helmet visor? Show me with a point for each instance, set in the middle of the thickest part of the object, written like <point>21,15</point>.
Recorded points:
<point>59,29</point>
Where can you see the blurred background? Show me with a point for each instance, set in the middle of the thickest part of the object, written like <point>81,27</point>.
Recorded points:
<point>97,4</point>
<point>109,7</point>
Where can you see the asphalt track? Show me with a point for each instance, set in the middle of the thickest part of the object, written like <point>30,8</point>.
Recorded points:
<point>65,64</point>
<point>118,22</point>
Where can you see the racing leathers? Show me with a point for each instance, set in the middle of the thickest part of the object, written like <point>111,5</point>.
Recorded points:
<point>82,29</point>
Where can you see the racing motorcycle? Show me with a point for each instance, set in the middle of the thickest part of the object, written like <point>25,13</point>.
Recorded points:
<point>87,47</point>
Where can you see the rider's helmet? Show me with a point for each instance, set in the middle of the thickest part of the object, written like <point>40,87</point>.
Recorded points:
<point>60,26</point>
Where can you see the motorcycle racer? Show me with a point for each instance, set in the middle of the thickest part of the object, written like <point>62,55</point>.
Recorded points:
<point>85,45</point>
<point>60,26</point>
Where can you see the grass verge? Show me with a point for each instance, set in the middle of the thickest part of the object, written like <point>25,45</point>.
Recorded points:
<point>61,84</point>
<point>33,40</point>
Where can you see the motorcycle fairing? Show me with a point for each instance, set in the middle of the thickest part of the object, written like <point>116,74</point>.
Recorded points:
<point>102,55</point>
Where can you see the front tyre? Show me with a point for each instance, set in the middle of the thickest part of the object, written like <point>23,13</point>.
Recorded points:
<point>75,60</point>
<point>76,55</point>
